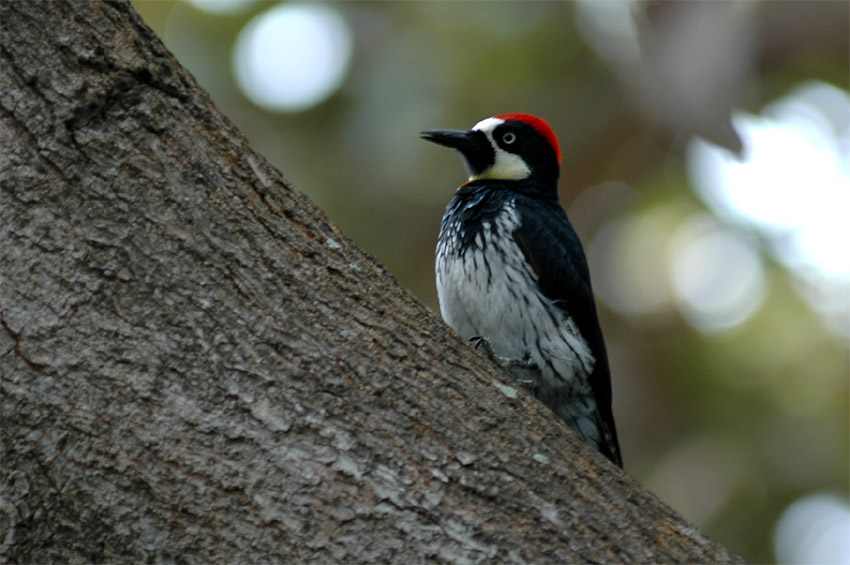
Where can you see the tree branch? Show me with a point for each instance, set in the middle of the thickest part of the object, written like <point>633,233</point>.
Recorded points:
<point>197,366</point>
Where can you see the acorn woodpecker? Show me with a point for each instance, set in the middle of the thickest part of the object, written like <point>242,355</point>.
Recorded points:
<point>512,275</point>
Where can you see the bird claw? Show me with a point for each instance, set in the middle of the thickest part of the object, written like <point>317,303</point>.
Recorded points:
<point>523,371</point>
<point>482,345</point>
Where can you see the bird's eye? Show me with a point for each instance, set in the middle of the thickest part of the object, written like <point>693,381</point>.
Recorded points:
<point>509,137</point>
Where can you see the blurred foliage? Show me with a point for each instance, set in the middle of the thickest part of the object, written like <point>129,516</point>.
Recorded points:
<point>727,427</point>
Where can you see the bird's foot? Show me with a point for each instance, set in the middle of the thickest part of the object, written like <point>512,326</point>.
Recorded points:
<point>523,371</point>
<point>482,345</point>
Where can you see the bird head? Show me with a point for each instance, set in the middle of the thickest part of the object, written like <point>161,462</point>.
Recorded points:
<point>506,147</point>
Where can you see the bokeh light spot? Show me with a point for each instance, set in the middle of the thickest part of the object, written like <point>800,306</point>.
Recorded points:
<point>814,529</point>
<point>698,476</point>
<point>633,275</point>
<point>223,7</point>
<point>792,186</point>
<point>717,275</point>
<point>609,27</point>
<point>292,57</point>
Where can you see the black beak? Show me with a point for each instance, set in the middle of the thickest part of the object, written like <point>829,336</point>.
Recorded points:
<point>456,139</point>
<point>472,144</point>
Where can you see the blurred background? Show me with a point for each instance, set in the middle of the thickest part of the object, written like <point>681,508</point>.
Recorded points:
<point>706,168</point>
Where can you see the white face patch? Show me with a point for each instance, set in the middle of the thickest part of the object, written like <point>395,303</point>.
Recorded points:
<point>507,166</point>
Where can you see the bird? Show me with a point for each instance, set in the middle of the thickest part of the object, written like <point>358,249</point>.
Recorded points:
<point>512,275</point>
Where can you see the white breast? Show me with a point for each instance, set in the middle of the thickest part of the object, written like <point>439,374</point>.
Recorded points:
<point>488,290</point>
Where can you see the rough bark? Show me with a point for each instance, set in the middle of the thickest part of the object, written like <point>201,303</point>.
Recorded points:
<point>198,367</point>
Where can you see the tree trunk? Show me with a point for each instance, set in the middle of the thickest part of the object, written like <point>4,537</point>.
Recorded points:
<point>197,366</point>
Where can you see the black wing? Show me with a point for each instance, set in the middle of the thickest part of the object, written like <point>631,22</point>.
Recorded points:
<point>553,250</point>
